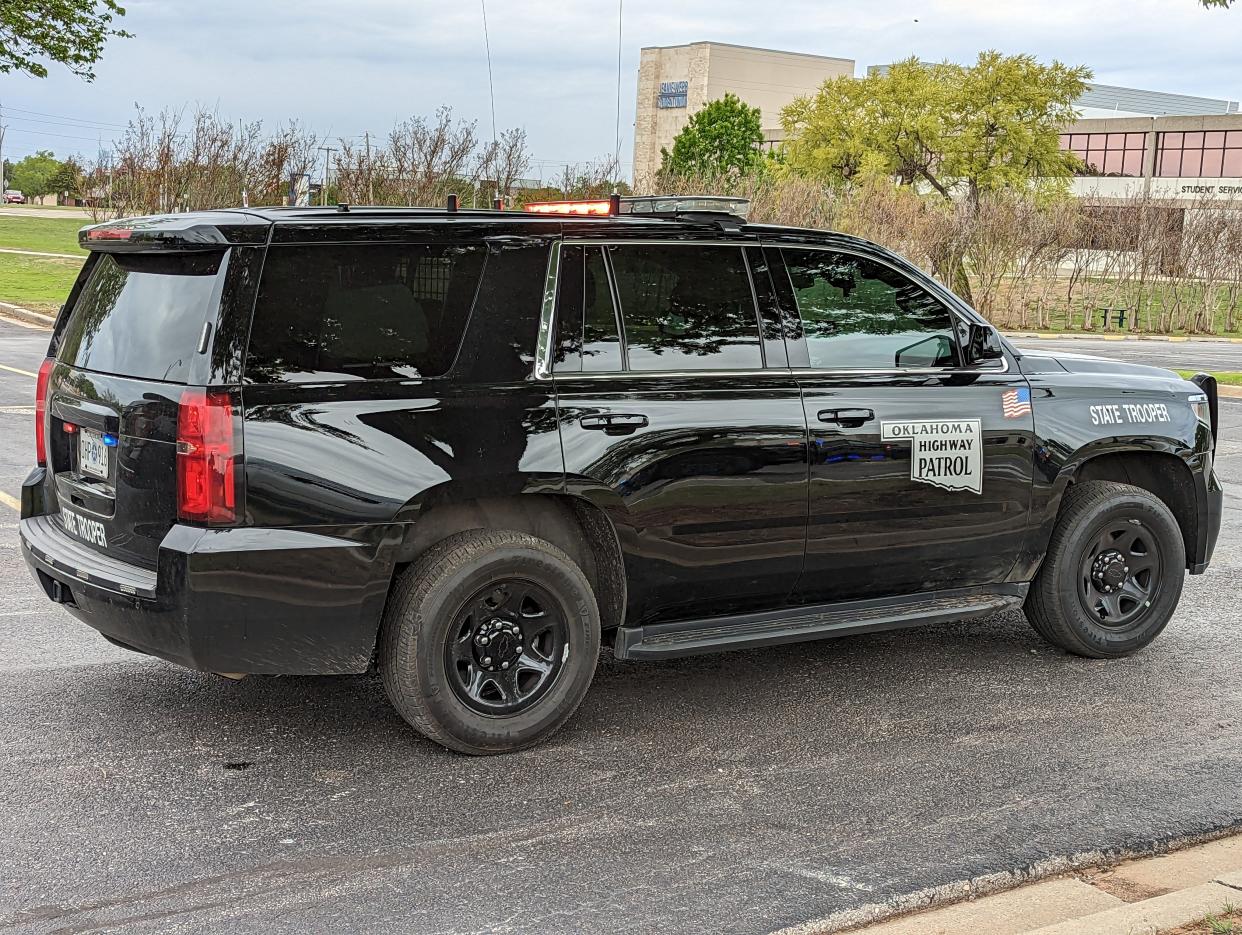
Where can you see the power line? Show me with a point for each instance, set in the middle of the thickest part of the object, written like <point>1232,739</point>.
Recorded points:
<point>102,123</point>
<point>62,136</point>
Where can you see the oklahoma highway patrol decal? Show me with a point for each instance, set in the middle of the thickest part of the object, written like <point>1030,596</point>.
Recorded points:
<point>944,453</point>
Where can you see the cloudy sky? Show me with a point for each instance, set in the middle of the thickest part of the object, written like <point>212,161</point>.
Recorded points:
<point>343,68</point>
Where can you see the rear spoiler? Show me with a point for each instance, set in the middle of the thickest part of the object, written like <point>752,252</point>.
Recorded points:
<point>204,230</point>
<point>1207,383</point>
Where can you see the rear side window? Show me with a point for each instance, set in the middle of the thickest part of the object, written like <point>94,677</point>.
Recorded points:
<point>858,314</point>
<point>142,314</point>
<point>589,339</point>
<point>686,307</point>
<point>361,311</point>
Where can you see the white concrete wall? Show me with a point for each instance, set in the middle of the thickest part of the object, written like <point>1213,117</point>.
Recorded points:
<point>762,78</point>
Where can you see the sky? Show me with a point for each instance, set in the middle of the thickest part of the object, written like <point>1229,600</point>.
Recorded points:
<point>345,68</point>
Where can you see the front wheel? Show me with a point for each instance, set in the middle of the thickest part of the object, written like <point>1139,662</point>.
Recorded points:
<point>1113,573</point>
<point>490,641</point>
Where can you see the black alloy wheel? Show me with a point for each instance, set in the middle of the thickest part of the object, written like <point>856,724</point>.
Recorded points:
<point>1121,571</point>
<point>506,647</point>
<point>1112,573</point>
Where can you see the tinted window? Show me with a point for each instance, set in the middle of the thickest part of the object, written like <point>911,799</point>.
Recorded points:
<point>361,311</point>
<point>686,307</point>
<point>861,315</point>
<point>142,315</point>
<point>586,319</point>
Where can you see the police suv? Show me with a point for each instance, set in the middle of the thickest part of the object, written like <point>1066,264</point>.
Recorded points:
<point>466,447</point>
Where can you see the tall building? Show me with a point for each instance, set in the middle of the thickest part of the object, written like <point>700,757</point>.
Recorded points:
<point>675,81</point>
<point>1130,140</point>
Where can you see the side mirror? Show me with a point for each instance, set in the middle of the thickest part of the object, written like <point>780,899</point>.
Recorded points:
<point>984,344</point>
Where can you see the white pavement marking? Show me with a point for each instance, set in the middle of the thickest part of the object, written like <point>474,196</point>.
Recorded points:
<point>24,373</point>
<point>59,256</point>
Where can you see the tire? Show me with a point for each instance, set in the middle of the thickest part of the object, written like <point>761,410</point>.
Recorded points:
<point>497,588</point>
<point>1113,572</point>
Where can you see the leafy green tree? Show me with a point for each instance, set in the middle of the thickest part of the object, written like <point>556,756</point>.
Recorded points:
<point>722,138</point>
<point>955,132</point>
<point>71,32</point>
<point>32,176</point>
<point>67,178</point>
<point>953,129</point>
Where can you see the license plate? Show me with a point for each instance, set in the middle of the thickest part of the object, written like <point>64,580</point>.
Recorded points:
<point>92,453</point>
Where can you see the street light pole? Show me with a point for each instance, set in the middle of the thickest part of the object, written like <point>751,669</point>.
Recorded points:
<point>327,169</point>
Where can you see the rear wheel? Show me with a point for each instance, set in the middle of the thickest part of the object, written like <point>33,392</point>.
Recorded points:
<point>1113,572</point>
<point>490,641</point>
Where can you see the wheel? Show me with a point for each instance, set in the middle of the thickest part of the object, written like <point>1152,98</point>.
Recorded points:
<point>1113,572</point>
<point>489,641</point>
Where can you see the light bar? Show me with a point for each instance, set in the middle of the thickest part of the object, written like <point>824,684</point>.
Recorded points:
<point>673,205</point>
<point>595,208</point>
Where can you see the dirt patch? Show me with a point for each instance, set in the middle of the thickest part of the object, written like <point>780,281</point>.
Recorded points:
<point>1224,923</point>
<point>1125,890</point>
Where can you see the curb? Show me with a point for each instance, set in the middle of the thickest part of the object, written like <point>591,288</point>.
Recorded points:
<point>57,256</point>
<point>1144,895</point>
<point>1107,336</point>
<point>25,315</point>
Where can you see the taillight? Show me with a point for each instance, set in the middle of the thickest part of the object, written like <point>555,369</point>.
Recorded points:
<point>45,373</point>
<point>208,457</point>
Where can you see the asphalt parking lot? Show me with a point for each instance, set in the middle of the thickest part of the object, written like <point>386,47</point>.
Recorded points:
<point>739,793</point>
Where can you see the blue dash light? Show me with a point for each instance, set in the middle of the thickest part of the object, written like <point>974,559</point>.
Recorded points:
<point>109,439</point>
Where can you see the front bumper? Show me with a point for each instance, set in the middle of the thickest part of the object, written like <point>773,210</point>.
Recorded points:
<point>241,600</point>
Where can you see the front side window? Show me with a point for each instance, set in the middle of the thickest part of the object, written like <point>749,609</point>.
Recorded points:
<point>686,307</point>
<point>858,314</point>
<point>361,311</point>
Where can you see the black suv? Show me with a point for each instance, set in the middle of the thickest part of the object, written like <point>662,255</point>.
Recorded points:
<point>466,446</point>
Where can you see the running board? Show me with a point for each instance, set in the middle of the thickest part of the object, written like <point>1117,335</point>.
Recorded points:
<point>812,622</point>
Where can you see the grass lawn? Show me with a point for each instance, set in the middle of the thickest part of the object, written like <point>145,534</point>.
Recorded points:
<point>1226,378</point>
<point>47,235</point>
<point>38,283</point>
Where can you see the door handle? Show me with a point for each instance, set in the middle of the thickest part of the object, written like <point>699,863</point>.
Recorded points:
<point>848,418</point>
<point>614,423</point>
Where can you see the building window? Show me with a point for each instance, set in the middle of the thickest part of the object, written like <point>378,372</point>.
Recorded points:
<point>1117,154</point>
<point>1212,154</point>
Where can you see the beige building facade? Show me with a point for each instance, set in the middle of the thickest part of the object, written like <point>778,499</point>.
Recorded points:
<point>675,81</point>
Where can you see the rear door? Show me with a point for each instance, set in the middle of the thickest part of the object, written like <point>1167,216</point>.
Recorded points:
<point>136,332</point>
<point>679,417</point>
<point>920,464</point>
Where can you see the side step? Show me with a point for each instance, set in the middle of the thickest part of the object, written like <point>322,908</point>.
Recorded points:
<point>812,622</point>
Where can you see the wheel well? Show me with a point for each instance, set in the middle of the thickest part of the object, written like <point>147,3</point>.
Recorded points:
<point>576,526</point>
<point>1164,475</point>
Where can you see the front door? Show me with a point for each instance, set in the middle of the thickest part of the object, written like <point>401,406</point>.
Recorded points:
<point>679,417</point>
<point>920,462</point>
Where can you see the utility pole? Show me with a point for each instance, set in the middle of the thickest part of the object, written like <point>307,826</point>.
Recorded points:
<point>370,183</point>
<point>327,168</point>
<point>3,180</point>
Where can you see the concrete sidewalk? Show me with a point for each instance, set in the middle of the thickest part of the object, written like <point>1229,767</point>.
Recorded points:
<point>1136,897</point>
<point>1114,336</point>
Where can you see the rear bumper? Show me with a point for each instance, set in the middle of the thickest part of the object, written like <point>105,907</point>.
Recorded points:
<point>285,602</point>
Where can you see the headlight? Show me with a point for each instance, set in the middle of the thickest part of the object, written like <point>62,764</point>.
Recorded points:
<point>1203,412</point>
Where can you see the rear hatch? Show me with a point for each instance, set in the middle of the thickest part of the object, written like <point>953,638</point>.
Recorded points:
<point>130,348</point>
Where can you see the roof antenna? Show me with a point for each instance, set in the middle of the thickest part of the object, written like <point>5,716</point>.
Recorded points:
<point>491,93</point>
<point>616,157</point>
<point>452,203</point>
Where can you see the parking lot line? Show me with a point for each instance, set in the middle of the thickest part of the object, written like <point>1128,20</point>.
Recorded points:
<point>24,373</point>
<point>12,502</point>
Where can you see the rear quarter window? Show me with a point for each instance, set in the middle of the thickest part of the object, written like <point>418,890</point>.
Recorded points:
<point>361,311</point>
<point>142,314</point>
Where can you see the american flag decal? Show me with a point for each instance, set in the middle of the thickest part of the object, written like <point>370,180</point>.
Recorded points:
<point>1016,403</point>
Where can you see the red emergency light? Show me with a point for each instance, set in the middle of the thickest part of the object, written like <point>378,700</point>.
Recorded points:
<point>595,207</point>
